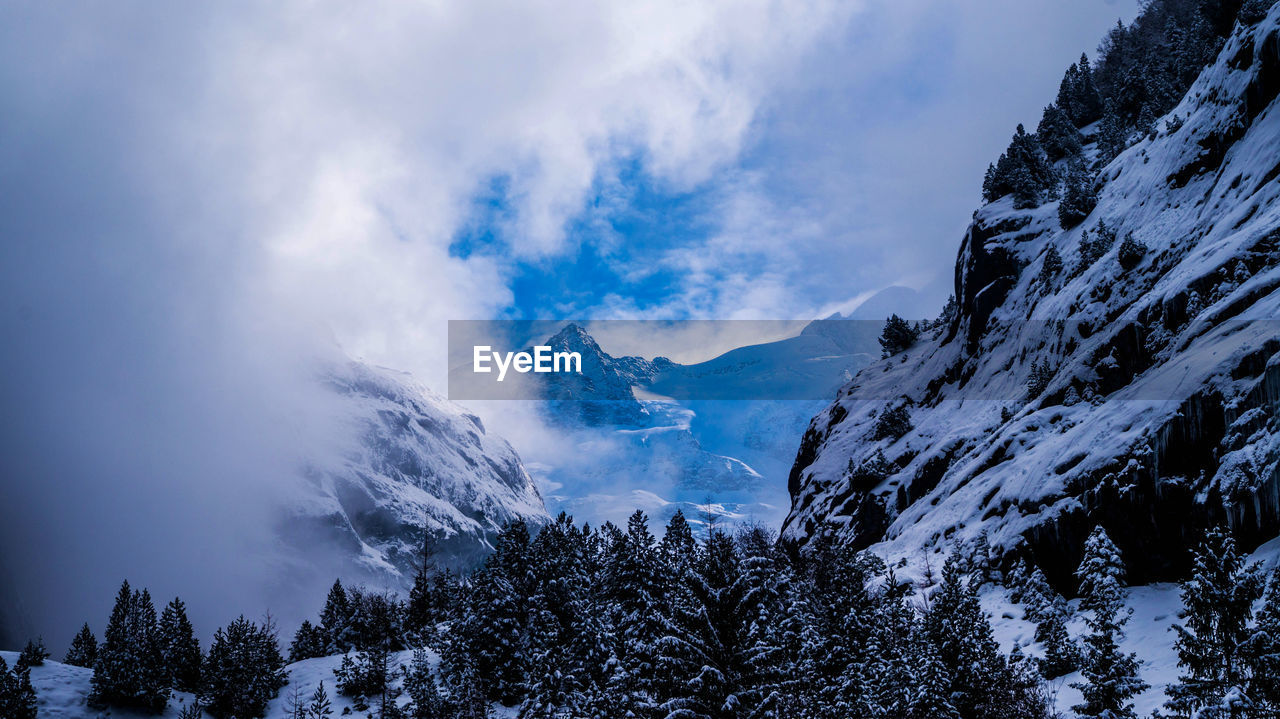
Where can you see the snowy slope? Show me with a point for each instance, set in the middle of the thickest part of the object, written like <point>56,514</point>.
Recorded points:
<point>62,690</point>
<point>406,459</point>
<point>1159,417</point>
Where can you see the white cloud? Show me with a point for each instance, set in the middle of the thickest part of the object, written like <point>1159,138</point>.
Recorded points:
<point>367,135</point>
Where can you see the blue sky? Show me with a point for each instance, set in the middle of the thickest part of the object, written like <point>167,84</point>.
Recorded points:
<point>856,172</point>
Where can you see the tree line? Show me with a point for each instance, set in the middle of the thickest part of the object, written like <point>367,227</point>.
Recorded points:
<point>611,622</point>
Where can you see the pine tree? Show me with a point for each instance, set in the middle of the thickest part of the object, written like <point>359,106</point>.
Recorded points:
<point>466,694</point>
<point>1023,171</point>
<point>1079,196</point>
<point>319,706</point>
<point>244,670</point>
<point>1131,252</point>
<point>493,632</point>
<point>1078,96</point>
<point>84,649</point>
<point>897,336</point>
<point>308,642</point>
<point>1113,137</point>
<point>980,563</point>
<point>708,645</point>
<point>294,705</point>
<point>32,655</point>
<point>1051,267</point>
<point>425,700</point>
<point>336,621</point>
<point>893,423</point>
<point>420,610</point>
<point>1061,655</point>
<point>962,636</point>
<point>1039,377</point>
<point>931,686</point>
<point>1218,601</point>
<point>871,472</point>
<point>179,648</point>
<point>1057,134</point>
<point>1092,250</point>
<point>1262,651</point>
<point>678,546</point>
<point>17,696</point>
<point>634,592</point>
<point>1111,676</point>
<point>129,671</point>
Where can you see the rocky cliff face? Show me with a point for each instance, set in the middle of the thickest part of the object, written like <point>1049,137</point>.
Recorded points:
<point>407,461</point>
<point>1136,387</point>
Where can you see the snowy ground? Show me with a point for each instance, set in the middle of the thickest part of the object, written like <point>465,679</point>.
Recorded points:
<point>62,691</point>
<point>1155,609</point>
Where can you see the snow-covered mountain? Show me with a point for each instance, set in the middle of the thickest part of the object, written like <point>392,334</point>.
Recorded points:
<point>409,460</point>
<point>1135,392</point>
<point>721,454</point>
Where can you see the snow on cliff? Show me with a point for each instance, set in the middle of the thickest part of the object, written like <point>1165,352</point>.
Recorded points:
<point>1143,399</point>
<point>406,460</point>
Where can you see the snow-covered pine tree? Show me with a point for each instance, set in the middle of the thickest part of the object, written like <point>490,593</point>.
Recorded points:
<point>1111,676</point>
<point>962,636</point>
<point>1061,654</point>
<point>1079,195</point>
<point>129,672</point>
<point>931,685</point>
<point>335,621</point>
<point>1131,252</point>
<point>1023,171</point>
<point>980,565</point>
<point>1217,602</point>
<point>677,547</point>
<point>634,594</point>
<point>1051,267</point>
<point>892,423</point>
<point>873,470</point>
<point>420,609</point>
<point>446,595</point>
<point>1113,137</point>
<point>1038,598</point>
<point>1077,95</point>
<point>32,655</point>
<point>897,336</point>
<point>567,649</point>
<point>459,674</point>
<point>17,696</point>
<point>707,645</point>
<point>84,649</point>
<point>837,605</point>
<point>243,671</point>
<point>1058,134</point>
<point>319,706</point>
<point>493,632</point>
<point>425,700</point>
<point>295,706</point>
<point>308,642</point>
<point>1262,651</point>
<point>1040,376</point>
<point>179,648</point>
